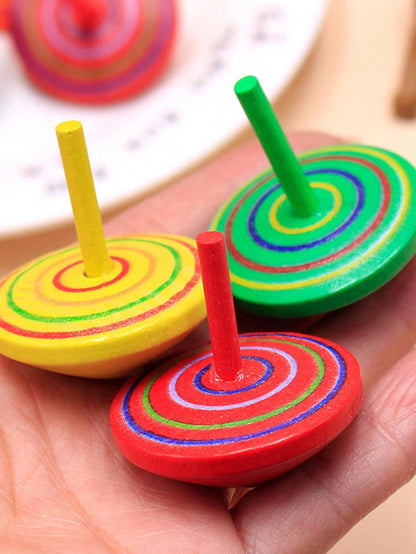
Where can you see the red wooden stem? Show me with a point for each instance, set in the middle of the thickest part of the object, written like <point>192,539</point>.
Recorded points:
<point>220,305</point>
<point>89,13</point>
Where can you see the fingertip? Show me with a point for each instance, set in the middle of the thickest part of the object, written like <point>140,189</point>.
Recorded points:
<point>303,141</point>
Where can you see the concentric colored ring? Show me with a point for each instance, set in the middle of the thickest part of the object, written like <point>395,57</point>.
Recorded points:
<point>51,312</point>
<point>122,55</point>
<point>363,233</point>
<point>182,422</point>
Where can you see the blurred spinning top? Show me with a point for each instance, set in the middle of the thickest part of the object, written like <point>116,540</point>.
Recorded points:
<point>242,411</point>
<point>93,51</point>
<point>4,13</point>
<point>105,307</point>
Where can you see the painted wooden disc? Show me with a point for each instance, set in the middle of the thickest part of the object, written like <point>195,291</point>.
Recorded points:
<point>362,235</point>
<point>294,395</point>
<point>53,316</point>
<point>116,59</point>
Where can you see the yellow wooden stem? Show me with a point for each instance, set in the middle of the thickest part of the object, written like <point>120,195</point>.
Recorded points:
<point>83,199</point>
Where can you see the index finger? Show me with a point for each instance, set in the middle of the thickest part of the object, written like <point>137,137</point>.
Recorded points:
<point>188,206</point>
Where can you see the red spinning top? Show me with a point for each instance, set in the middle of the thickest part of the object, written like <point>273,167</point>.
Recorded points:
<point>242,412</point>
<point>93,51</point>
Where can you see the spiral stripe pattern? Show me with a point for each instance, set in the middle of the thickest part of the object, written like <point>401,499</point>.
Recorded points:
<point>290,378</point>
<point>364,227</point>
<point>155,278</point>
<point>124,53</point>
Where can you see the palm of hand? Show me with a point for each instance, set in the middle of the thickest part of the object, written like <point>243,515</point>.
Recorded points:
<point>65,487</point>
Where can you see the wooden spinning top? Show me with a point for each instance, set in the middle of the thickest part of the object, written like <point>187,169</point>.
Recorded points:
<point>242,411</point>
<point>320,231</point>
<point>93,51</point>
<point>101,308</point>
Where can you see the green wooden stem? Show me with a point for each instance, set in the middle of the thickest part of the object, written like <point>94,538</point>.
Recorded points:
<point>276,146</point>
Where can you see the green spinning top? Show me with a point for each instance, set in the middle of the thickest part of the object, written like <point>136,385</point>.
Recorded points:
<point>320,231</point>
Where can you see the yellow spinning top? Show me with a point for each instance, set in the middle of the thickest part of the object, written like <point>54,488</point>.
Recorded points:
<point>102,308</point>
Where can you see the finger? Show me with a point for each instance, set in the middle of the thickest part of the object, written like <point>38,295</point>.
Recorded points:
<point>252,323</point>
<point>62,478</point>
<point>312,507</point>
<point>379,329</point>
<point>188,206</point>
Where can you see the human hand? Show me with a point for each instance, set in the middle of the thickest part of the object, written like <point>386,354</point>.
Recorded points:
<point>66,488</point>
